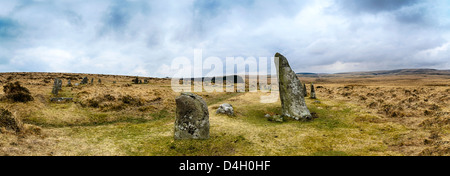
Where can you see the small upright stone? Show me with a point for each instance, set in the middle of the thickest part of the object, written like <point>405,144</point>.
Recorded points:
<point>291,91</point>
<point>313,92</point>
<point>56,87</point>
<point>140,81</point>
<point>59,84</point>
<point>145,81</point>
<point>136,80</point>
<point>99,81</point>
<point>92,81</point>
<point>192,117</point>
<point>69,84</point>
<point>9,122</point>
<point>225,109</point>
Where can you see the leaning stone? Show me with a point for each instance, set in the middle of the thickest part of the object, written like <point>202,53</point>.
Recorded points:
<point>9,122</point>
<point>225,109</point>
<point>291,91</point>
<point>192,117</point>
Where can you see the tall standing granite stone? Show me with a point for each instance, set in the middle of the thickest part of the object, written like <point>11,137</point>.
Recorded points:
<point>192,118</point>
<point>313,92</point>
<point>291,91</point>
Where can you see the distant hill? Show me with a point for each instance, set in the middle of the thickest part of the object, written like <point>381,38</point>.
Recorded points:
<point>384,72</point>
<point>402,72</point>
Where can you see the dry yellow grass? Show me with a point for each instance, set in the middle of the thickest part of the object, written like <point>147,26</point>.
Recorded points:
<point>390,115</point>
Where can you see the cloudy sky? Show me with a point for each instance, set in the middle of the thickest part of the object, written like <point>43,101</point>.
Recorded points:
<point>143,37</point>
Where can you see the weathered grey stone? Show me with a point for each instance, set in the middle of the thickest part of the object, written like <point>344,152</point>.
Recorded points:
<point>305,93</point>
<point>9,122</point>
<point>56,86</point>
<point>85,80</point>
<point>192,117</point>
<point>145,81</point>
<point>99,81</point>
<point>59,84</point>
<point>61,99</point>
<point>69,84</point>
<point>225,109</point>
<point>291,91</point>
<point>77,84</point>
<point>313,92</point>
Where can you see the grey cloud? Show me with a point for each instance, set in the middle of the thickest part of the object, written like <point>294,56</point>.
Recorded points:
<point>373,6</point>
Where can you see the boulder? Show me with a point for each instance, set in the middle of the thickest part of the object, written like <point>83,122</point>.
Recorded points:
<point>192,117</point>
<point>291,91</point>
<point>225,109</point>
<point>313,92</point>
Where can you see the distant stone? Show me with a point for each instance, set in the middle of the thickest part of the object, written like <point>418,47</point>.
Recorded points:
<point>85,80</point>
<point>114,82</point>
<point>69,84</point>
<point>140,81</point>
<point>291,91</point>
<point>136,80</point>
<point>56,86</point>
<point>313,92</point>
<point>92,81</point>
<point>225,109</point>
<point>9,122</point>
<point>61,99</point>
<point>192,117</point>
<point>77,84</point>
<point>99,81</point>
<point>305,93</point>
<point>145,81</point>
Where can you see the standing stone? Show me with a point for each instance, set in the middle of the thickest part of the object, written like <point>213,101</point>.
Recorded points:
<point>140,81</point>
<point>85,80</point>
<point>99,81</point>
<point>56,87</point>
<point>313,92</point>
<point>145,81</point>
<point>136,80</point>
<point>192,118</point>
<point>69,84</point>
<point>305,93</point>
<point>291,91</point>
<point>225,109</point>
<point>92,81</point>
